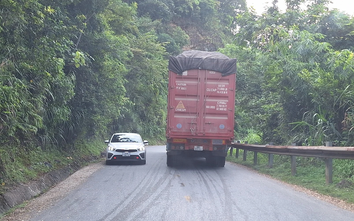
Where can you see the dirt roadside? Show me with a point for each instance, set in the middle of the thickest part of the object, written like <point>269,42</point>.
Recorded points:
<point>47,199</point>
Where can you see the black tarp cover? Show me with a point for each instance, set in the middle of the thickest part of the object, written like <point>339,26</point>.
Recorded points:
<point>213,61</point>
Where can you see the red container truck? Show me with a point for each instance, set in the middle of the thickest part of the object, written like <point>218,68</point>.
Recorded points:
<point>201,106</point>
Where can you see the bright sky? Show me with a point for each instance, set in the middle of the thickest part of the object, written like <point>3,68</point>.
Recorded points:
<point>346,6</point>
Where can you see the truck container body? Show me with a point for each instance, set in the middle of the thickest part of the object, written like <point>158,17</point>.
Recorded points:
<point>201,109</point>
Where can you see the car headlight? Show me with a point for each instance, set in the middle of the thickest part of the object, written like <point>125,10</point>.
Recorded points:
<point>141,148</point>
<point>110,148</point>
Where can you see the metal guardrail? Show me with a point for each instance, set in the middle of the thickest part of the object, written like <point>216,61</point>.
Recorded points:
<point>327,152</point>
<point>306,151</point>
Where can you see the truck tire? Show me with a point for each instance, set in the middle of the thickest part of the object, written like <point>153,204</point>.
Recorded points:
<point>220,161</point>
<point>169,161</point>
<point>211,161</point>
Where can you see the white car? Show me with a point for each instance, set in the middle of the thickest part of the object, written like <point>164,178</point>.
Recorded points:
<point>126,147</point>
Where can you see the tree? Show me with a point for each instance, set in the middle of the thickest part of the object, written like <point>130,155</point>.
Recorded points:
<point>35,90</point>
<point>289,73</point>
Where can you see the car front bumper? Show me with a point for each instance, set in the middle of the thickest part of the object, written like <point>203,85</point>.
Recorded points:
<point>114,156</point>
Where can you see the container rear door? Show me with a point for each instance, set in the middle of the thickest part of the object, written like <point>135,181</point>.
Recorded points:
<point>201,104</point>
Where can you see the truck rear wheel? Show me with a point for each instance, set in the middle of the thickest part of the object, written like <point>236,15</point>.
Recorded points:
<point>214,161</point>
<point>169,161</point>
<point>220,161</point>
<point>211,161</point>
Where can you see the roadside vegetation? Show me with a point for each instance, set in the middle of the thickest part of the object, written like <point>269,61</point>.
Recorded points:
<point>72,72</point>
<point>310,171</point>
<point>22,166</point>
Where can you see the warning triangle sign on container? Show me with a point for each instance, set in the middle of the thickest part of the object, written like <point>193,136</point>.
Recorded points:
<point>180,106</point>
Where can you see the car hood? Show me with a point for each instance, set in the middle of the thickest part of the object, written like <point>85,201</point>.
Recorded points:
<point>126,146</point>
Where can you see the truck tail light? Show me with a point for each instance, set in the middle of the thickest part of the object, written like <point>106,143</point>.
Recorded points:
<point>178,146</point>
<point>219,148</point>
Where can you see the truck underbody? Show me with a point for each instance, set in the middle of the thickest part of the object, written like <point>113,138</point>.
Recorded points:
<point>214,151</point>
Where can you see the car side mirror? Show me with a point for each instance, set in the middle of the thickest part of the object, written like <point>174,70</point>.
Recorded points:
<point>106,141</point>
<point>146,142</point>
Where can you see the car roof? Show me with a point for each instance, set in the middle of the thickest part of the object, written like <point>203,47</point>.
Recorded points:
<point>126,133</point>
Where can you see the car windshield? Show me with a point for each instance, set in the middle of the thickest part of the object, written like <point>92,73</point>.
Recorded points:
<point>132,138</point>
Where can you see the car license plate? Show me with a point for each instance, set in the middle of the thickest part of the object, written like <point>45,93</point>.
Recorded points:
<point>126,154</point>
<point>198,148</point>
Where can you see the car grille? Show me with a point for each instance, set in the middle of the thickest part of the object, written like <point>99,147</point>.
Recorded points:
<point>132,157</point>
<point>119,150</point>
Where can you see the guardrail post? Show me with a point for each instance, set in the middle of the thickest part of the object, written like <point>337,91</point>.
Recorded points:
<point>231,150</point>
<point>237,150</point>
<point>293,163</point>
<point>244,155</point>
<point>329,166</point>
<point>255,158</point>
<point>270,157</point>
<point>270,160</point>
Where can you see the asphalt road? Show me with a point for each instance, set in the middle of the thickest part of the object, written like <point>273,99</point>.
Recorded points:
<point>191,191</point>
